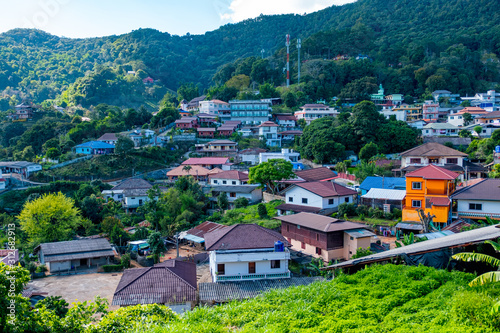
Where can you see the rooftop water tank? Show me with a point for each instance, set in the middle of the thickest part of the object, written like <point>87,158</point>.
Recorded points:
<point>279,246</point>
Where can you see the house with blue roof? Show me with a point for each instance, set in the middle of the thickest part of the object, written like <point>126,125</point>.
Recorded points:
<point>390,183</point>
<point>95,148</point>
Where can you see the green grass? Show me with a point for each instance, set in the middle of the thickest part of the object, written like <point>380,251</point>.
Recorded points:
<point>249,215</point>
<point>373,221</point>
<point>377,299</point>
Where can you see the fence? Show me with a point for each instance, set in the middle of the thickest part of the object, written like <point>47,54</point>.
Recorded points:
<point>63,164</point>
<point>346,176</point>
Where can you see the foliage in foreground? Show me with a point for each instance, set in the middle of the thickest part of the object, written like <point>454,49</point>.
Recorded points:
<point>378,299</point>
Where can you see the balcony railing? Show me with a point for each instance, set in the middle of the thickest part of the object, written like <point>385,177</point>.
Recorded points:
<point>474,214</point>
<point>251,277</point>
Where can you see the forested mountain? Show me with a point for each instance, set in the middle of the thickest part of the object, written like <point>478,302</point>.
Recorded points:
<point>412,45</point>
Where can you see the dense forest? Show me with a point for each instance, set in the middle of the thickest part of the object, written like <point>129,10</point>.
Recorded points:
<point>412,47</point>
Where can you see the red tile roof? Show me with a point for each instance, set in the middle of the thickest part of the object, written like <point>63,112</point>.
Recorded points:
<point>439,201</point>
<point>242,236</point>
<point>433,172</point>
<point>205,227</point>
<point>315,174</point>
<point>231,174</point>
<point>206,161</point>
<point>325,189</point>
<point>268,124</point>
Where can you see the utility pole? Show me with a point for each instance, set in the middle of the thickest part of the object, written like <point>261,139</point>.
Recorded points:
<point>299,45</point>
<point>287,60</point>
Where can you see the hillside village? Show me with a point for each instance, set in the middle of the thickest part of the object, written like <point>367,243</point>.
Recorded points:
<point>344,177</point>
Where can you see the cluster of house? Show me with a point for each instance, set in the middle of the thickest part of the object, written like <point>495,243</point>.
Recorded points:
<point>437,121</point>
<point>107,142</point>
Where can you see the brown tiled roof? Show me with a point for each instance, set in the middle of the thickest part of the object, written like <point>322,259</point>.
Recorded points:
<point>326,189</point>
<point>268,124</point>
<point>494,114</point>
<point>298,208</point>
<point>286,117</point>
<point>205,160</point>
<point>205,129</point>
<point>205,227</point>
<point>242,236</point>
<point>315,174</point>
<point>439,201</point>
<point>488,189</point>
<point>133,183</point>
<point>320,222</point>
<point>108,137</point>
<point>231,174</point>
<point>196,170</point>
<point>252,151</point>
<point>169,282</point>
<point>432,149</point>
<point>432,171</point>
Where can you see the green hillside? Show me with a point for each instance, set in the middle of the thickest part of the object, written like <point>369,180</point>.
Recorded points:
<point>398,33</point>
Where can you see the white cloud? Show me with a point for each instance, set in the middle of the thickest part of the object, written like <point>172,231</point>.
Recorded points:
<point>240,10</point>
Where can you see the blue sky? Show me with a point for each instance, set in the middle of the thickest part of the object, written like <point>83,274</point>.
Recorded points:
<point>94,18</point>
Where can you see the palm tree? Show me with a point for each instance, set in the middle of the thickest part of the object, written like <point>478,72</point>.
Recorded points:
<point>187,168</point>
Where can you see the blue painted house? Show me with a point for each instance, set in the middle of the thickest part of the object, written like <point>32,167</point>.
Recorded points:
<point>389,183</point>
<point>95,148</point>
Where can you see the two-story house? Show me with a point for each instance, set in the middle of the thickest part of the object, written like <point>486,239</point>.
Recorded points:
<point>457,118</point>
<point>440,129</point>
<point>429,188</point>
<point>214,107</point>
<point>477,201</point>
<point>430,110</point>
<point>285,154</point>
<point>218,148</point>
<point>24,111</point>
<point>269,132</point>
<point>324,237</point>
<point>230,177</point>
<point>413,112</point>
<point>312,112</point>
<point>235,184</point>
<point>109,138</point>
<point>245,252</point>
<point>285,120</point>
<point>186,123</point>
<point>321,197</point>
<point>250,112</point>
<point>489,118</point>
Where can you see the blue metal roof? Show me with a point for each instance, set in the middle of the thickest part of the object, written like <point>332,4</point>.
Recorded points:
<point>393,183</point>
<point>95,145</point>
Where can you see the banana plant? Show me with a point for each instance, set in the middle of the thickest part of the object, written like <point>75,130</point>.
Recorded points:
<point>489,277</point>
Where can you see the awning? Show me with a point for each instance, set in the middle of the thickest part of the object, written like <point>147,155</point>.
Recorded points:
<point>409,226</point>
<point>192,238</point>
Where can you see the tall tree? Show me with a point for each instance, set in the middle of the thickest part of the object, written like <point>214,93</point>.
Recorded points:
<point>268,173</point>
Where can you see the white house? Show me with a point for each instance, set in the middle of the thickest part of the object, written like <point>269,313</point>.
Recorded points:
<point>214,107</point>
<point>478,200</point>
<point>110,138</point>
<point>140,136</point>
<point>250,155</point>
<point>312,112</point>
<point>321,197</point>
<point>132,193</point>
<point>489,100</point>
<point>245,252</point>
<point>399,115</point>
<point>286,154</point>
<point>250,112</point>
<point>440,129</point>
<point>230,177</point>
<point>269,131</point>
<point>286,120</point>
<point>431,153</point>
<point>457,118</point>
<point>251,192</point>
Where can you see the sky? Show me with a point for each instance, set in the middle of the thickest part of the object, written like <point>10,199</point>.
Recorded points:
<point>96,18</point>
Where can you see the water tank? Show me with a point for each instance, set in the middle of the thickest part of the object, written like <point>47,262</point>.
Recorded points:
<point>497,149</point>
<point>279,246</point>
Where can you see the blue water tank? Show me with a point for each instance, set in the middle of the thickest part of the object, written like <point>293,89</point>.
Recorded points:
<point>279,246</point>
<point>497,149</point>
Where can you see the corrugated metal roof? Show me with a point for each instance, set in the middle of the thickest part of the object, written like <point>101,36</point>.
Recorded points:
<point>226,291</point>
<point>455,240</point>
<point>380,193</point>
<point>383,182</point>
<point>436,234</point>
<point>359,233</point>
<point>96,145</point>
<point>77,249</point>
<point>409,226</point>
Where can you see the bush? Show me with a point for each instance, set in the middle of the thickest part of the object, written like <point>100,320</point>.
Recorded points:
<point>262,211</point>
<point>375,213</point>
<point>125,260</point>
<point>346,209</point>
<point>112,268</point>
<point>241,202</point>
<point>397,213</point>
<point>362,210</point>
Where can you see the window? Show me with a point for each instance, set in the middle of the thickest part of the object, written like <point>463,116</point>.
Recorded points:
<point>304,200</point>
<point>290,199</point>
<point>287,228</point>
<point>452,160</point>
<point>346,199</point>
<point>221,269</point>
<point>318,251</point>
<point>330,201</point>
<point>215,181</point>
<point>234,182</point>
<point>416,185</point>
<point>232,194</point>
<point>302,245</point>
<point>275,263</point>
<point>433,160</point>
<point>475,206</point>
<point>251,268</point>
<point>351,238</point>
<point>140,202</point>
<point>416,203</point>
<point>224,182</point>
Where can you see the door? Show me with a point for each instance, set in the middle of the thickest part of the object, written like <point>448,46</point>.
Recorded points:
<point>251,268</point>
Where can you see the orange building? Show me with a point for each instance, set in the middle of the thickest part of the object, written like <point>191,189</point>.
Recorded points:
<point>429,188</point>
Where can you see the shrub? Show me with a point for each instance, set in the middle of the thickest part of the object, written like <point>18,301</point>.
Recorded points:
<point>361,253</point>
<point>125,260</point>
<point>54,303</point>
<point>346,209</point>
<point>241,202</point>
<point>397,213</point>
<point>375,213</point>
<point>112,268</point>
<point>362,210</point>
<point>262,211</point>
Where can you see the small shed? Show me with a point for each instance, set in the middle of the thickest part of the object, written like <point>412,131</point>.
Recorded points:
<point>64,256</point>
<point>379,197</point>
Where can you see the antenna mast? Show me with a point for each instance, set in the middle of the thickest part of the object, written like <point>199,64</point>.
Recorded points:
<point>299,45</point>
<point>287,60</point>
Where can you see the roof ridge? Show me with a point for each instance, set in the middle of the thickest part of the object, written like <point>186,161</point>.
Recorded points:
<point>189,284</point>
<point>466,188</point>
<point>138,276</point>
